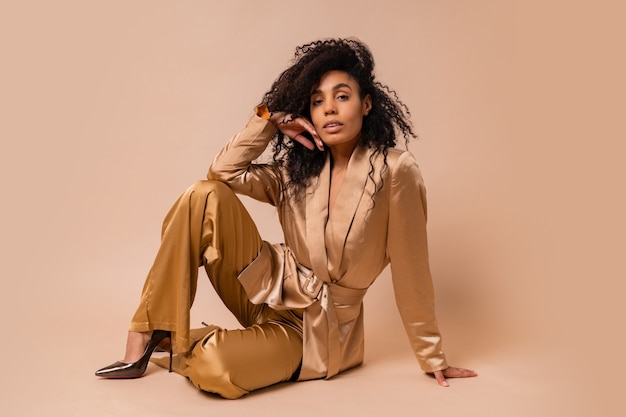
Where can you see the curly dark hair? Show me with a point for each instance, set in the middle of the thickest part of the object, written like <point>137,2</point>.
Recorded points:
<point>291,93</point>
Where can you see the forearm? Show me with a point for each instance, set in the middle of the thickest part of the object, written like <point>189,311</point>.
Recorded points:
<point>234,165</point>
<point>235,158</point>
<point>408,252</point>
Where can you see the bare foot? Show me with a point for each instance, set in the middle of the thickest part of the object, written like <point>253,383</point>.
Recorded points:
<point>136,345</point>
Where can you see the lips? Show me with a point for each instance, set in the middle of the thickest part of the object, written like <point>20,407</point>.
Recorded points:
<point>332,126</point>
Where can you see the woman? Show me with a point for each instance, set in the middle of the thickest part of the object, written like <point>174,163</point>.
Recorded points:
<point>349,204</point>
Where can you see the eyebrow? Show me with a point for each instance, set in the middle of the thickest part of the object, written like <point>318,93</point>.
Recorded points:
<point>335,88</point>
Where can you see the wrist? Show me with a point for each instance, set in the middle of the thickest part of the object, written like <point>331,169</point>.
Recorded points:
<point>277,117</point>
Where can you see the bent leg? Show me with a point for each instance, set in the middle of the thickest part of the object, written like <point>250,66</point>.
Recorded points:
<point>207,225</point>
<point>232,363</point>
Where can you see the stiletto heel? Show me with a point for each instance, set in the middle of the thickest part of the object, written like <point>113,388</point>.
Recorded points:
<point>136,369</point>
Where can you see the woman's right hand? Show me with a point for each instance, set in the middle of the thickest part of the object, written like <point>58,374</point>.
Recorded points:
<point>293,127</point>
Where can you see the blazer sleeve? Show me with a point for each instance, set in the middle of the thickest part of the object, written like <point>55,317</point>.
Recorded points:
<point>407,249</point>
<point>233,164</point>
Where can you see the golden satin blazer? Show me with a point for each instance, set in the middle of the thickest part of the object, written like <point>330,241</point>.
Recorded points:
<point>327,263</point>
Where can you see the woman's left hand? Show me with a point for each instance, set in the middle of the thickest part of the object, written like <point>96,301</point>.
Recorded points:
<point>293,127</point>
<point>452,372</point>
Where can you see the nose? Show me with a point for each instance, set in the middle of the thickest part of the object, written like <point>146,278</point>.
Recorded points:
<point>329,107</point>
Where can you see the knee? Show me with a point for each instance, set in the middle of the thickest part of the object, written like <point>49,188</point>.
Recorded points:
<point>209,369</point>
<point>204,187</point>
<point>211,192</point>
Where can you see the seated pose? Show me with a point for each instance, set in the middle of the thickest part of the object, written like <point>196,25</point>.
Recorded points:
<point>349,203</point>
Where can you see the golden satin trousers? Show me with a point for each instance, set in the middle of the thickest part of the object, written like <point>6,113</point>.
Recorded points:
<point>208,226</point>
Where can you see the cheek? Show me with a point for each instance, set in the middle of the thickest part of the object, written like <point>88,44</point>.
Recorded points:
<point>357,122</point>
<point>315,115</point>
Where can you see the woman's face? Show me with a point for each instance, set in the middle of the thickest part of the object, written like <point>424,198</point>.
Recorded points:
<point>337,109</point>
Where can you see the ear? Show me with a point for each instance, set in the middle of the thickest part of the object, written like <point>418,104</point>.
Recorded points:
<point>367,104</point>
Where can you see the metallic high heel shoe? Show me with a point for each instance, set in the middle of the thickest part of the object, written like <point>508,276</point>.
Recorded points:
<point>136,369</point>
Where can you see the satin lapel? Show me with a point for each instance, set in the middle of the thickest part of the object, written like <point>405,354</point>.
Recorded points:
<point>350,193</point>
<point>316,218</point>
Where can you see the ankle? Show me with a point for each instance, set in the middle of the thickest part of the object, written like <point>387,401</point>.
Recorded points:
<point>136,343</point>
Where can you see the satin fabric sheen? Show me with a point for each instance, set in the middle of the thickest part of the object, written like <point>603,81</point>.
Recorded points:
<point>209,226</point>
<point>328,261</point>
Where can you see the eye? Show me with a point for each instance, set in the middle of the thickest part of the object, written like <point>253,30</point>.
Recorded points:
<point>316,101</point>
<point>342,97</point>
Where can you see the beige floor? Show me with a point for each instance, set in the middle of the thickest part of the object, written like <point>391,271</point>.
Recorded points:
<point>48,370</point>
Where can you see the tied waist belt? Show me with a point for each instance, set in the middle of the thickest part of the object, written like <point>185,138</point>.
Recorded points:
<point>277,279</point>
<point>313,286</point>
<point>330,296</point>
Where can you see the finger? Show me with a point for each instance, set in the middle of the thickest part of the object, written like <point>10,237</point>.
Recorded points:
<point>304,141</point>
<point>311,129</point>
<point>466,373</point>
<point>453,372</point>
<point>441,380</point>
<point>319,143</point>
<point>308,126</point>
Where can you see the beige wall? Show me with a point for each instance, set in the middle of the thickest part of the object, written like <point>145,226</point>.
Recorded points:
<point>110,109</point>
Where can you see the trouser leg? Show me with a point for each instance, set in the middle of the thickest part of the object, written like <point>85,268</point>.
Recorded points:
<point>268,350</point>
<point>207,225</point>
<point>232,363</point>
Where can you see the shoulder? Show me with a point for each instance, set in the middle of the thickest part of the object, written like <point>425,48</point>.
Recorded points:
<point>402,165</point>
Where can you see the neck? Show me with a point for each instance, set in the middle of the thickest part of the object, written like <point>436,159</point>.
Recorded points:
<point>340,155</point>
